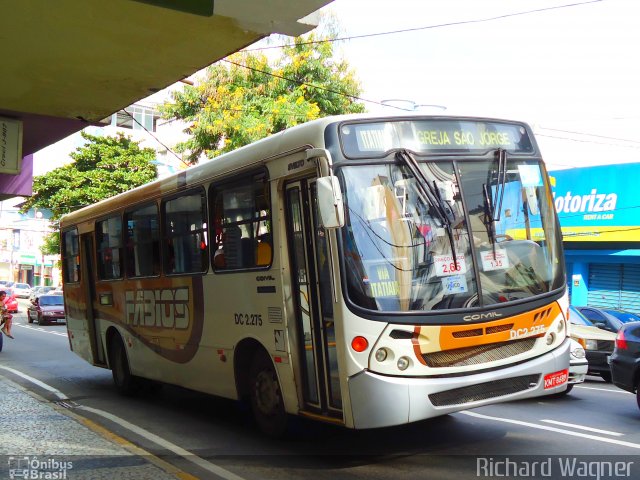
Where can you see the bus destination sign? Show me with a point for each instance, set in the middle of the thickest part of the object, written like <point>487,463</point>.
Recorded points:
<point>433,136</point>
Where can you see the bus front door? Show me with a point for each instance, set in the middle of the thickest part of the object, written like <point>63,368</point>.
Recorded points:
<point>313,302</point>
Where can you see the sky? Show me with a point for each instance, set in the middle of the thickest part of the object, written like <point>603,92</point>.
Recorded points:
<point>568,68</point>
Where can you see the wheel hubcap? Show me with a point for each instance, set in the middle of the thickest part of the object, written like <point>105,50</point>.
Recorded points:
<point>267,395</point>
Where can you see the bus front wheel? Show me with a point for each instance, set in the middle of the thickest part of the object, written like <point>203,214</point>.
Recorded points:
<point>125,382</point>
<point>266,396</point>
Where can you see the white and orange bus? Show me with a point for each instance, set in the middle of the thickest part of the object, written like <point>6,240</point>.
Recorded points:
<point>365,271</point>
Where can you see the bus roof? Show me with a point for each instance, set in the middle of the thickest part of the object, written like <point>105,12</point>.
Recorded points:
<point>310,134</point>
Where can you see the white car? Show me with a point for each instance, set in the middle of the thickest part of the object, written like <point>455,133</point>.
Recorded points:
<point>22,290</point>
<point>578,366</point>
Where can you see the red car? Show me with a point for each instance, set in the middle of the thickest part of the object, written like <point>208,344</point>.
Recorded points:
<point>11,303</point>
<point>47,309</point>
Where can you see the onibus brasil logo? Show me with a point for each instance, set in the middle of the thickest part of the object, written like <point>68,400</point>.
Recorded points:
<point>35,468</point>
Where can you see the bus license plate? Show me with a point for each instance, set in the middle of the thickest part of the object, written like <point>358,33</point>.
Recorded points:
<point>556,379</point>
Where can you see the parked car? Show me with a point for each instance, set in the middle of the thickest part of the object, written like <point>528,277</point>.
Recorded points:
<point>11,302</point>
<point>47,309</point>
<point>608,318</point>
<point>578,365</point>
<point>597,343</point>
<point>37,291</point>
<point>625,360</point>
<point>22,290</point>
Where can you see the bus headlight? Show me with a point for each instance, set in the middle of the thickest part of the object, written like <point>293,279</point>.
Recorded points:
<point>381,354</point>
<point>560,326</point>
<point>403,363</point>
<point>551,338</point>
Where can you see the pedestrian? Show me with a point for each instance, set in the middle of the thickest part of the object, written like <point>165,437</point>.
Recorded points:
<point>6,316</point>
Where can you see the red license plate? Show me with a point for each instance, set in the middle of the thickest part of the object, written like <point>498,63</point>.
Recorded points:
<point>556,379</point>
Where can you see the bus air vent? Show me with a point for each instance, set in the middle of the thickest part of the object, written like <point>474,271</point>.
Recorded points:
<point>541,315</point>
<point>484,391</point>
<point>475,332</point>
<point>477,355</point>
<point>500,328</point>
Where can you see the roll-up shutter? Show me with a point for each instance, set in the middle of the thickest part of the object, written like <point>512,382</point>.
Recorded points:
<point>605,281</point>
<point>614,285</point>
<point>630,293</point>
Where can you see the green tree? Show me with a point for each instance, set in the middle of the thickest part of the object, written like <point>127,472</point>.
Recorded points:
<point>102,168</point>
<point>247,96</point>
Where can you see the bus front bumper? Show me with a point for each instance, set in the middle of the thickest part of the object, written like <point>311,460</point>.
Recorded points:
<point>382,401</point>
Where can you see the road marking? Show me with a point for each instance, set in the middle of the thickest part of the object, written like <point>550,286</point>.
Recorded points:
<point>605,389</point>
<point>186,454</point>
<point>589,429</point>
<point>40,329</point>
<point>554,429</point>
<point>51,389</point>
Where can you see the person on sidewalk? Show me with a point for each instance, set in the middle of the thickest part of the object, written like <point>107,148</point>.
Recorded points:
<point>6,320</point>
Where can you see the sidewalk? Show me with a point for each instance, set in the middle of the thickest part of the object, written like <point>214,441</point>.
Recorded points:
<point>39,439</point>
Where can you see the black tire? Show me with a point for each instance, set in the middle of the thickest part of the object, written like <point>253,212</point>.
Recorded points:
<point>266,396</point>
<point>567,391</point>
<point>637,389</point>
<point>29,317</point>
<point>125,382</point>
<point>606,376</point>
<point>1,340</point>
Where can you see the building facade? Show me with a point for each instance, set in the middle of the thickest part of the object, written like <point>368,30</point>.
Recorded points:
<point>599,212</point>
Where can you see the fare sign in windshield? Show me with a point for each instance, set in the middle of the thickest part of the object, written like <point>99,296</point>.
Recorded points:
<point>433,136</point>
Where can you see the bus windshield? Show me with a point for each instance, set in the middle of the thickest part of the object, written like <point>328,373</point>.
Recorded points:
<point>458,233</point>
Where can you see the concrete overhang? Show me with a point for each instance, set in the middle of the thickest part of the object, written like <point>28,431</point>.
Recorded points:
<point>69,63</point>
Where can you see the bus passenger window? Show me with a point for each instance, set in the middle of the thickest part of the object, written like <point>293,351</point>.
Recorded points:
<point>185,233</point>
<point>142,253</point>
<point>70,256</point>
<point>243,224</point>
<point>109,248</point>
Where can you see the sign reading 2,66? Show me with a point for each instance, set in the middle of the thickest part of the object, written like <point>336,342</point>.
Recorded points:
<point>254,319</point>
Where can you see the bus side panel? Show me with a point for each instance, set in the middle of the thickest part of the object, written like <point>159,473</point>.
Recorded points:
<point>77,321</point>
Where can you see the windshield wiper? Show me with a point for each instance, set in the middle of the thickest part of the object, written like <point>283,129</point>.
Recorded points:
<point>432,194</point>
<point>501,156</point>
<point>493,203</point>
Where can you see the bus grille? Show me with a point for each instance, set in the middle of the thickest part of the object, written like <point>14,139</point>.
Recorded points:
<point>476,355</point>
<point>484,391</point>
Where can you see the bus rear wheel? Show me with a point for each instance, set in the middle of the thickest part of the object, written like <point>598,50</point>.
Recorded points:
<point>266,396</point>
<point>125,382</point>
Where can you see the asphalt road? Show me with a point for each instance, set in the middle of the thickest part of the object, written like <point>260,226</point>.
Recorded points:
<point>596,424</point>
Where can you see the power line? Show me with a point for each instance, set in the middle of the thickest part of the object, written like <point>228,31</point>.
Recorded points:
<point>428,27</point>
<point>156,138</point>
<point>590,134</point>
<point>568,139</point>
<point>299,82</point>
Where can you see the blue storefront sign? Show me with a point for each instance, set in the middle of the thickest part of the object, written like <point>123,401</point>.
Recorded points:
<point>598,204</point>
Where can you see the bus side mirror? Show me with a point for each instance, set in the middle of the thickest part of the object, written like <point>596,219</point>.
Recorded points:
<point>330,202</point>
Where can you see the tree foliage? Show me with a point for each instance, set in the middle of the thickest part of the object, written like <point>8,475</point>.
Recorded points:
<point>102,168</point>
<point>247,96</point>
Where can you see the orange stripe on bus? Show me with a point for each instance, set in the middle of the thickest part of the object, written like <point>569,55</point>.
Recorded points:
<point>461,336</point>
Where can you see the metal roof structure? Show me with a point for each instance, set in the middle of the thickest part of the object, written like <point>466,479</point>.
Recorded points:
<point>71,63</point>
